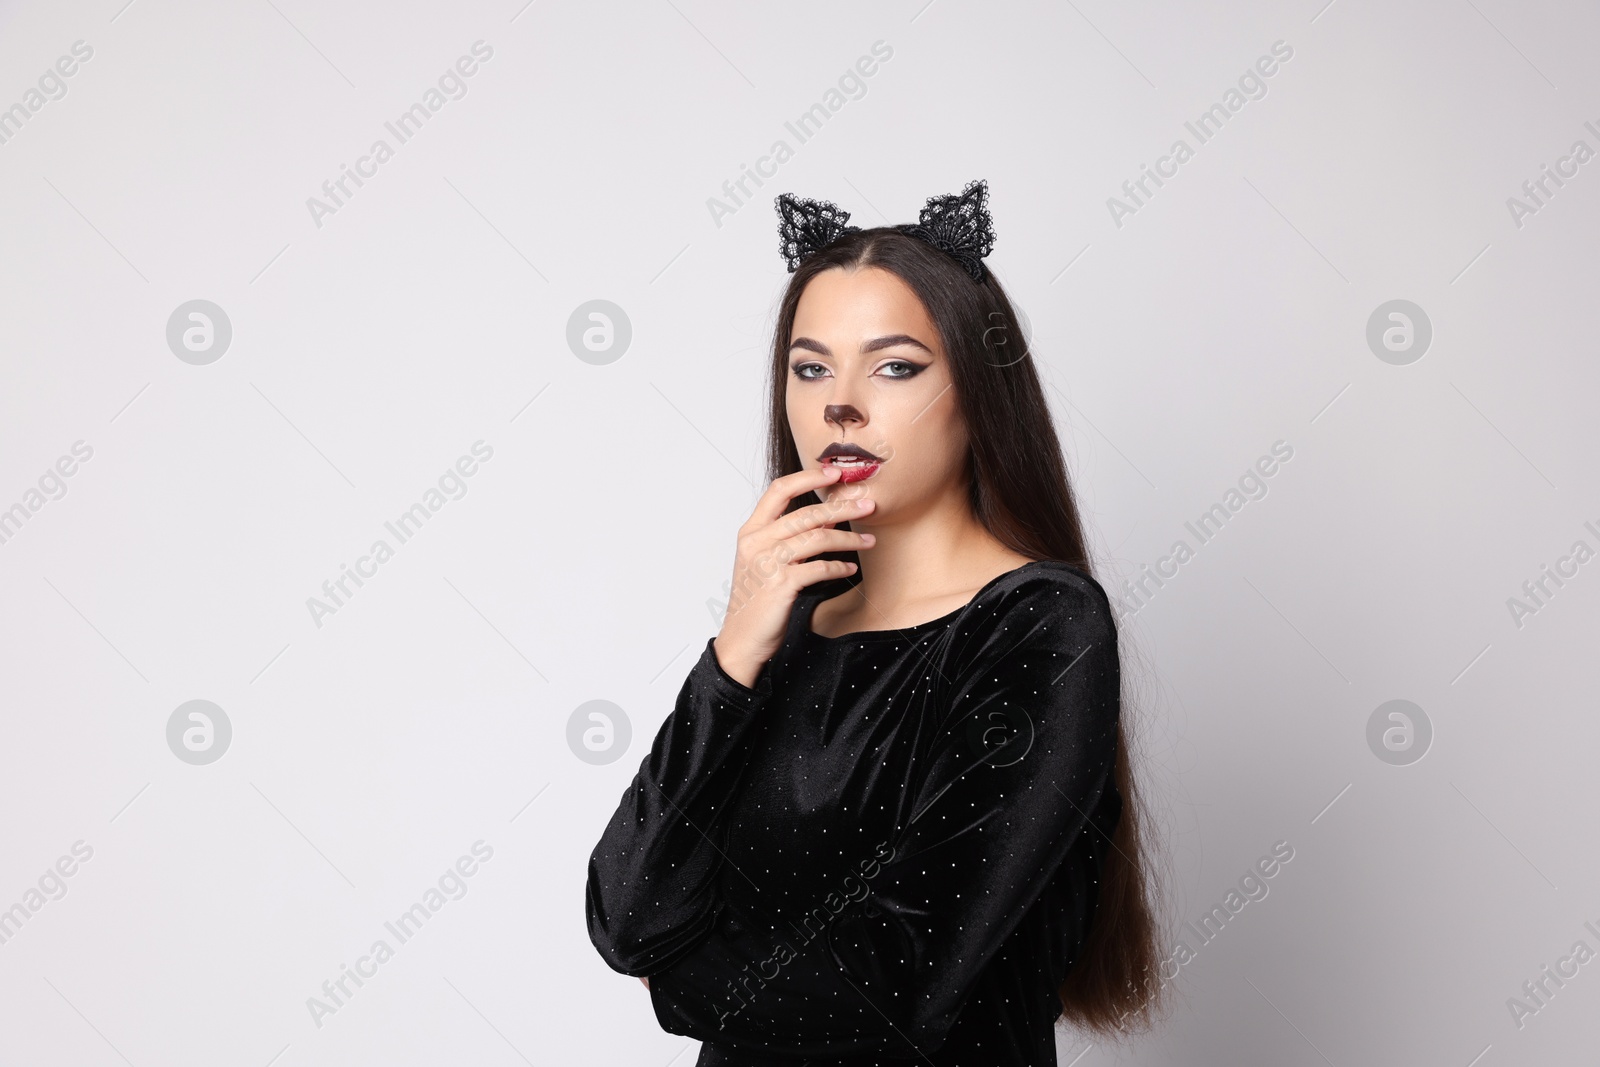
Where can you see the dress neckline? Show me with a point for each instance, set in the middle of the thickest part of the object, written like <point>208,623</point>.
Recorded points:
<point>914,630</point>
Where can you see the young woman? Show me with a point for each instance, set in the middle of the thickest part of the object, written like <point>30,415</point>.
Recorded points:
<point>891,818</point>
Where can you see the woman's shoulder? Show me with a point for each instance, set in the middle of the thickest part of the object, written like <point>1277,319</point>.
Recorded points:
<point>1048,616</point>
<point>1048,585</point>
<point>1038,589</point>
<point>1042,604</point>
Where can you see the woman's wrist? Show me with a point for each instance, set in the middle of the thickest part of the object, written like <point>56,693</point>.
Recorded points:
<point>745,672</point>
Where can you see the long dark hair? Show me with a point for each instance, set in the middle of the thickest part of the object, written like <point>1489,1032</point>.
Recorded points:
<point>1020,493</point>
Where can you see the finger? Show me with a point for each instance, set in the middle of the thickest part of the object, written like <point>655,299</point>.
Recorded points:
<point>784,489</point>
<point>804,545</point>
<point>820,570</point>
<point>778,564</point>
<point>781,565</point>
<point>828,513</point>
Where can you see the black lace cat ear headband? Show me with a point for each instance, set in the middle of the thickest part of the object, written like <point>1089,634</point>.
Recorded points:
<point>957,225</point>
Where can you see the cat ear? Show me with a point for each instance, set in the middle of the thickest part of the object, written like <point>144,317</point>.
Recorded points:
<point>806,226</point>
<point>959,225</point>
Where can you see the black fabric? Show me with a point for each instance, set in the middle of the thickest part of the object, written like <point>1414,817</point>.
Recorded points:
<point>959,225</point>
<point>887,850</point>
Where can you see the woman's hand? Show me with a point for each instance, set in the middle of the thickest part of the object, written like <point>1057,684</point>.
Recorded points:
<point>766,576</point>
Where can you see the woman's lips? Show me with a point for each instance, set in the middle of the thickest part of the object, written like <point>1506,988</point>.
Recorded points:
<point>853,472</point>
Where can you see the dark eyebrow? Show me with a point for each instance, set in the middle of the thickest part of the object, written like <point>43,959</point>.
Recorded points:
<point>871,346</point>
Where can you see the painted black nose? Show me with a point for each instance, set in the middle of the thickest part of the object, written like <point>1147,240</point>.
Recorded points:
<point>841,413</point>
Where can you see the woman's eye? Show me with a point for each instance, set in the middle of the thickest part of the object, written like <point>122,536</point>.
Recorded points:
<point>899,368</point>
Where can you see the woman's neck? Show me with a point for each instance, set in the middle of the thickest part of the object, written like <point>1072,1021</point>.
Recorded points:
<point>918,568</point>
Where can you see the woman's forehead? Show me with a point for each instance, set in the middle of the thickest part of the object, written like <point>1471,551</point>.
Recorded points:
<point>850,308</point>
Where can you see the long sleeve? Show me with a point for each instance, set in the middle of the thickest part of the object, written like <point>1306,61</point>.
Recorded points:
<point>1019,760</point>
<point>651,882</point>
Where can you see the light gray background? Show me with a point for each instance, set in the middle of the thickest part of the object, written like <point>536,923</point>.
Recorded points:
<point>585,559</point>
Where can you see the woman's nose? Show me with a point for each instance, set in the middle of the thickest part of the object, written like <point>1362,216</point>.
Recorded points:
<point>842,414</point>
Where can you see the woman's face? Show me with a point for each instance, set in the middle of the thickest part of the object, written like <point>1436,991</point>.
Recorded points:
<point>867,368</point>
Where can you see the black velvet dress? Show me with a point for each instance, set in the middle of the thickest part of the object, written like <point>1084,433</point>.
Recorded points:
<point>885,852</point>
